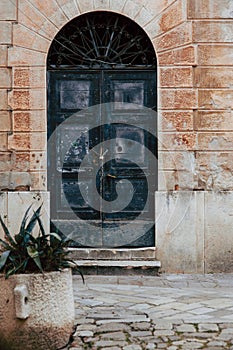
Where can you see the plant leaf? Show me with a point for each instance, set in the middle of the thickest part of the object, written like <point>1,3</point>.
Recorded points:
<point>7,233</point>
<point>41,226</point>
<point>33,220</point>
<point>3,258</point>
<point>80,272</point>
<point>34,254</point>
<point>10,272</point>
<point>13,270</point>
<point>53,234</point>
<point>23,223</point>
<point>6,245</point>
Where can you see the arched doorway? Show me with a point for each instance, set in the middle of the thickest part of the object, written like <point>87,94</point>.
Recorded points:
<point>97,59</point>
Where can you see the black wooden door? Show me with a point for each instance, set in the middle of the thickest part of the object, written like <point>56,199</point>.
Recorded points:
<point>111,143</point>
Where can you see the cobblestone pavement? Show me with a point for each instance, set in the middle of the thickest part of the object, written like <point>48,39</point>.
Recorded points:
<point>162,312</point>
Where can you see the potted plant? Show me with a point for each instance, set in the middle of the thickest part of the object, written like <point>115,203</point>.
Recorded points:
<point>36,303</point>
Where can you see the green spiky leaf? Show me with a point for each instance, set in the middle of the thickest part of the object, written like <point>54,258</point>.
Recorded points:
<point>34,254</point>
<point>3,258</point>
<point>7,233</point>
<point>55,235</point>
<point>5,245</point>
<point>26,253</point>
<point>23,223</point>
<point>33,220</point>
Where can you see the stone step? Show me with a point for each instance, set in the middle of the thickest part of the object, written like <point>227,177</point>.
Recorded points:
<point>148,253</point>
<point>119,267</point>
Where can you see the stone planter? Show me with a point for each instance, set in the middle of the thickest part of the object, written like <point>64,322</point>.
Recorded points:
<point>36,311</point>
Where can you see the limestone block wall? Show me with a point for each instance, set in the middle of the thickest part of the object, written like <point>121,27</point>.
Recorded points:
<point>196,84</point>
<point>194,231</point>
<point>13,206</point>
<point>193,41</point>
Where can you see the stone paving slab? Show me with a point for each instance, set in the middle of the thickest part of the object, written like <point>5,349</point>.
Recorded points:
<point>162,312</point>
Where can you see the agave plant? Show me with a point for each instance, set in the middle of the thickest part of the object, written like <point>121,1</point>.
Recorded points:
<point>25,253</point>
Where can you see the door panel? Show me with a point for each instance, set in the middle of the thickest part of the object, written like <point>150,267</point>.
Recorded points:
<point>72,91</point>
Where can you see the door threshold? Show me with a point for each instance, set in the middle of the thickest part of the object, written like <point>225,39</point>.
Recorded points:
<point>111,254</point>
<point>119,267</point>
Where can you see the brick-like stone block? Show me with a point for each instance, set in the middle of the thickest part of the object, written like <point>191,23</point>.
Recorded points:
<point>8,10</point>
<point>215,99</point>
<point>20,56</point>
<point>132,7</point>
<point>5,161</point>
<point>180,160</point>
<point>152,28</point>
<point>181,35</point>
<point>215,55</point>
<point>13,180</point>
<point>212,31</point>
<point>143,17</point>
<point>5,78</point>
<point>101,4</point>
<point>3,141</point>
<point>33,19</point>
<point>85,5</point>
<point>52,11</point>
<point>167,180</point>
<point>209,120</point>
<point>5,33</point>
<point>5,121</point>
<point>69,7</point>
<point>176,77</point>
<point>214,170</point>
<point>181,56</point>
<point>3,55</point>
<point>27,99</point>
<point>177,141</point>
<point>178,99</point>
<point>156,7</point>
<point>24,37</point>
<point>35,141</point>
<point>214,77</point>
<point>29,120</point>
<point>210,9</point>
<point>215,141</point>
<point>34,77</point>
<point>115,5</point>
<point>218,231</point>
<point>3,99</point>
<point>19,142</point>
<point>180,231</point>
<point>21,161</point>
<point>38,161</point>
<point>176,121</point>
<point>172,16</point>
<point>39,181</point>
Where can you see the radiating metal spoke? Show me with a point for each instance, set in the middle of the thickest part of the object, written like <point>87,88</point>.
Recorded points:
<point>101,40</point>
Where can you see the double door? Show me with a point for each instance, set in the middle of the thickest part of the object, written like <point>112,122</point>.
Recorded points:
<point>102,164</point>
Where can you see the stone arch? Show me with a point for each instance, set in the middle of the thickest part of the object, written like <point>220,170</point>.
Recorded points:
<point>87,42</point>
<point>166,24</point>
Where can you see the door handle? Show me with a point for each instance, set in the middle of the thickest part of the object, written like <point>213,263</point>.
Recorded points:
<point>112,176</point>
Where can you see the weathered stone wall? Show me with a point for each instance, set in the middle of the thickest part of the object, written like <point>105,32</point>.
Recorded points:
<point>196,85</point>
<point>193,40</point>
